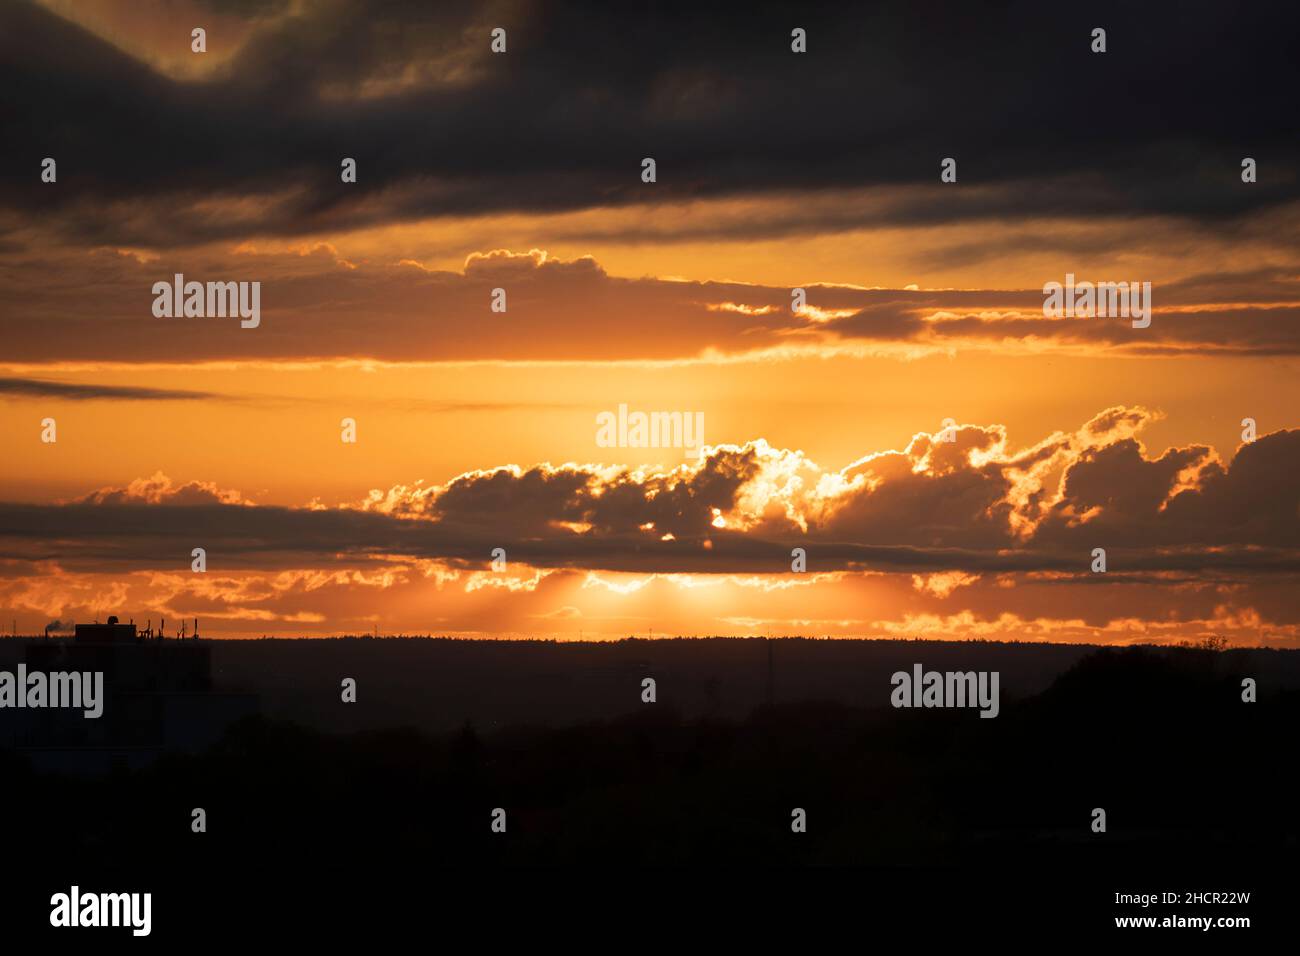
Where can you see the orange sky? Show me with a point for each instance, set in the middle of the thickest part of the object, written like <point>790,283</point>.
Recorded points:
<point>822,427</point>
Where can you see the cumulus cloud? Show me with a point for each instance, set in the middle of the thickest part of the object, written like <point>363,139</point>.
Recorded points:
<point>161,490</point>
<point>972,505</point>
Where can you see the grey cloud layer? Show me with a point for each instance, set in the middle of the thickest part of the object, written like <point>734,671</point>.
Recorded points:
<point>440,126</point>
<point>317,306</point>
<point>38,388</point>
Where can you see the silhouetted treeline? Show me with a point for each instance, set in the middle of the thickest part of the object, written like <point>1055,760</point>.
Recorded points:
<point>1159,738</point>
<point>437,684</point>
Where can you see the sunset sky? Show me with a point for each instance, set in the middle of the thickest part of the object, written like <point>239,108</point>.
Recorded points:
<point>775,170</point>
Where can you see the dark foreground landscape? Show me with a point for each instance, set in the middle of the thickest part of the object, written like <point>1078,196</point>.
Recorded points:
<point>310,794</point>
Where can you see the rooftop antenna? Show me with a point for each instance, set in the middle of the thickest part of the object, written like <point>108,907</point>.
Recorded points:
<point>771,684</point>
<point>196,628</point>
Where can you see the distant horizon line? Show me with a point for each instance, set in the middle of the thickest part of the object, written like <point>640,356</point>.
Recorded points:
<point>1202,644</point>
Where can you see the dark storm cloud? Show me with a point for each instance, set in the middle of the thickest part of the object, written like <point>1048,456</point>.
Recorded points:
<point>440,126</point>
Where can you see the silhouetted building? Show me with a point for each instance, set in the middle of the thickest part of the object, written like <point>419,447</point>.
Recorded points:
<point>158,697</point>
<point>110,633</point>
